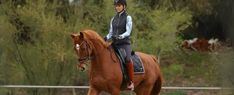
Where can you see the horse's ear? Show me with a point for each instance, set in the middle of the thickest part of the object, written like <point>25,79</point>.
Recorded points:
<point>74,35</point>
<point>81,35</point>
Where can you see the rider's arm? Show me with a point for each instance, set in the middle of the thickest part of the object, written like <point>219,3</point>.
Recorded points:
<point>109,35</point>
<point>128,27</point>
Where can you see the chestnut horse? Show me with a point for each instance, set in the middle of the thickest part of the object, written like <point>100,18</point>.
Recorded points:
<point>105,71</point>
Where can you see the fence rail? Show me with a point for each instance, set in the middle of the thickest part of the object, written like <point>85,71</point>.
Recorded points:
<point>86,87</point>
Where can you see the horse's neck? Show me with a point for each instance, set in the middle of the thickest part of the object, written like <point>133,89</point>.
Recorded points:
<point>102,57</point>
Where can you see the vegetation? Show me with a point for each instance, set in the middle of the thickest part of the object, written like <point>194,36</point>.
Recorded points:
<point>36,48</point>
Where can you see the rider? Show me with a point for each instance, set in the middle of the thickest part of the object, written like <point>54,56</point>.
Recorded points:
<point>119,32</point>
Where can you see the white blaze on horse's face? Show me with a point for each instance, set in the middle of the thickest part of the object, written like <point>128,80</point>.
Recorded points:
<point>77,47</point>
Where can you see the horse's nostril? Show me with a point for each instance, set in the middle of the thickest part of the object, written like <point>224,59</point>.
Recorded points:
<point>83,69</point>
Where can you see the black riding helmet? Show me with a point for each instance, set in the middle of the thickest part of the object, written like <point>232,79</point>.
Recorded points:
<point>120,2</point>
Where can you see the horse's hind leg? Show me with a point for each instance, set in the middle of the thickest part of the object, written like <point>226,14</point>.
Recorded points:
<point>115,92</point>
<point>144,89</point>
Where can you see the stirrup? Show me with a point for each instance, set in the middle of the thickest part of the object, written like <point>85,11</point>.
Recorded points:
<point>131,86</point>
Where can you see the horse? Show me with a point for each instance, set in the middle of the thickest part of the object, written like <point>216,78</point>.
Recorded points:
<point>199,44</point>
<point>105,72</point>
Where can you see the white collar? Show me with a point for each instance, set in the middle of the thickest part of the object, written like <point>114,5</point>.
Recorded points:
<point>121,12</point>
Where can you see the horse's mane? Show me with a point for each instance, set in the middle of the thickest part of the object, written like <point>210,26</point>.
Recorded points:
<point>93,35</point>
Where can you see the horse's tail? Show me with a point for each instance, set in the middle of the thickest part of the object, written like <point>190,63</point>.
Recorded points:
<point>156,59</point>
<point>158,84</point>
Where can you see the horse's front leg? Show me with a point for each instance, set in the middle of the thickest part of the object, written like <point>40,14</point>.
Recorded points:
<point>93,91</point>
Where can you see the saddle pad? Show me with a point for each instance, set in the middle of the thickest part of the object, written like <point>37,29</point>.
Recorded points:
<point>138,66</point>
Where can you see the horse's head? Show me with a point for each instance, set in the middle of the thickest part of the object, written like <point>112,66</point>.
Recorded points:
<point>83,48</point>
<point>185,44</point>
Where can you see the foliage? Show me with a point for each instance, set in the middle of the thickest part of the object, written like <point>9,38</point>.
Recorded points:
<point>45,57</point>
<point>159,29</point>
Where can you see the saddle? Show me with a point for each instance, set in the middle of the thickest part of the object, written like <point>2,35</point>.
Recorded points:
<point>137,63</point>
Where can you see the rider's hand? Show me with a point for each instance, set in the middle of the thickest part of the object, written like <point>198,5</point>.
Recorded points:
<point>120,37</point>
<point>105,38</point>
<point>115,37</point>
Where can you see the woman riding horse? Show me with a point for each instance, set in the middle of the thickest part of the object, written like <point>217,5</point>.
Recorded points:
<point>90,46</point>
<point>119,32</point>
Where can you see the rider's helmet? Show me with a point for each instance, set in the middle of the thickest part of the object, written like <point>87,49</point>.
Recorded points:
<point>120,2</point>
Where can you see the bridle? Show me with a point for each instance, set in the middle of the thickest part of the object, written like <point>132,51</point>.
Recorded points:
<point>84,59</point>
